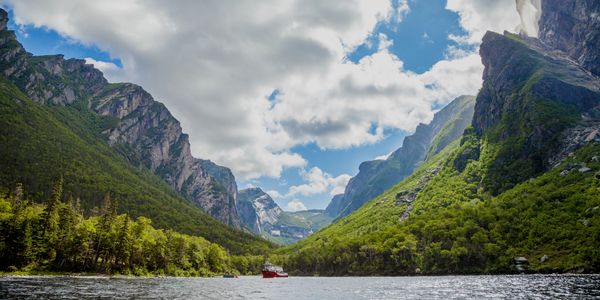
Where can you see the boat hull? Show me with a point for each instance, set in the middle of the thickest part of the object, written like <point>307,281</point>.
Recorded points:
<point>270,274</point>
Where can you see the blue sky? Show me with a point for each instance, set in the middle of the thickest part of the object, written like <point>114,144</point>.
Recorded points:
<point>420,40</point>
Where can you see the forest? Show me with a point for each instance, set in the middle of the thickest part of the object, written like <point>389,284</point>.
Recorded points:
<point>57,236</point>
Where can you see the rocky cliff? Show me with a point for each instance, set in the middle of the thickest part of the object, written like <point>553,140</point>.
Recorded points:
<point>518,192</point>
<point>530,95</point>
<point>258,211</point>
<point>263,216</point>
<point>571,27</point>
<point>142,129</point>
<point>374,177</point>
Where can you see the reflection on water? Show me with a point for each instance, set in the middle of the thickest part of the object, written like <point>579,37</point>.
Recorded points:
<point>252,287</point>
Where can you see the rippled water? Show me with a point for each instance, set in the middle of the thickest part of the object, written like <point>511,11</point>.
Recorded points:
<point>253,287</point>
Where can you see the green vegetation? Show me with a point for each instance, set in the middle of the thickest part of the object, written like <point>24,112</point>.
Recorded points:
<point>56,237</point>
<point>41,143</point>
<point>451,231</point>
<point>480,203</point>
<point>308,219</point>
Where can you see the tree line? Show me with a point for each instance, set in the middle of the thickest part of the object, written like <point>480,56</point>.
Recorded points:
<point>56,236</point>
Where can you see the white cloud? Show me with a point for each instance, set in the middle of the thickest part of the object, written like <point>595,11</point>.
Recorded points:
<point>274,194</point>
<point>530,12</point>
<point>479,16</point>
<point>213,63</point>
<point>111,71</point>
<point>295,205</point>
<point>318,182</point>
<point>383,157</point>
<point>338,184</point>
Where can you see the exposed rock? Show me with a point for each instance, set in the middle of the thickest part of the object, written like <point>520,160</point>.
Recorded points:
<point>564,172</point>
<point>3,19</point>
<point>584,170</point>
<point>573,139</point>
<point>141,127</point>
<point>405,197</point>
<point>462,159</point>
<point>552,79</point>
<point>592,136</point>
<point>409,196</point>
<point>544,258</point>
<point>521,264</point>
<point>572,27</point>
<point>257,210</point>
<point>521,260</point>
<point>335,205</point>
<point>263,216</point>
<point>595,159</point>
<point>374,177</point>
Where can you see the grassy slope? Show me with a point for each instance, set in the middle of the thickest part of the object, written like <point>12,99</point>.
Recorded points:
<point>456,233</point>
<point>458,225</point>
<point>41,143</point>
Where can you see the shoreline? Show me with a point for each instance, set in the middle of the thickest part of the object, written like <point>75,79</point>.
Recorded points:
<point>105,276</point>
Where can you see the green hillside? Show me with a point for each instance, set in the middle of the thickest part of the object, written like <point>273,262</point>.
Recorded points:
<point>41,143</point>
<point>524,181</point>
<point>551,215</point>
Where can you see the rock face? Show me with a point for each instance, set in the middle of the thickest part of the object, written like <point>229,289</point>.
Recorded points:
<point>374,177</point>
<point>142,129</point>
<point>258,211</point>
<point>572,27</point>
<point>531,95</point>
<point>335,206</point>
<point>260,214</point>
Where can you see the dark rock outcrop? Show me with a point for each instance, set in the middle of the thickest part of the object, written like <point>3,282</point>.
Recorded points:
<point>142,129</point>
<point>374,177</point>
<point>572,27</point>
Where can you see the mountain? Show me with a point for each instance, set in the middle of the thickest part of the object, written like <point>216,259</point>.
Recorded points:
<point>139,127</point>
<point>571,27</point>
<point>518,192</point>
<point>258,211</point>
<point>264,217</point>
<point>376,176</point>
<point>61,118</point>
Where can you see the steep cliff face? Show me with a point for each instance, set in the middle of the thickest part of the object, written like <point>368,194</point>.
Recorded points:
<point>374,177</point>
<point>142,129</point>
<point>263,216</point>
<point>335,205</point>
<point>258,211</point>
<point>571,26</point>
<point>531,94</point>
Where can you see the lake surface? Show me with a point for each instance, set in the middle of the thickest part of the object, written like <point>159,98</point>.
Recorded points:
<point>254,287</point>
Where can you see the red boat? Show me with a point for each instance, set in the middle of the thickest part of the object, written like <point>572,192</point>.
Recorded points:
<point>271,271</point>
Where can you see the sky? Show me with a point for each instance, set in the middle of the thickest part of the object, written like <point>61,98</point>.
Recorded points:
<point>291,95</point>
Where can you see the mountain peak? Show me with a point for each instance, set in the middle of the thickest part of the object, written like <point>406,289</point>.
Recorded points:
<point>3,19</point>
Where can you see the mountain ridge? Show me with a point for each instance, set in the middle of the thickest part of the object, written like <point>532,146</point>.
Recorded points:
<point>374,177</point>
<point>58,135</point>
<point>521,184</point>
<point>138,126</point>
<point>264,217</point>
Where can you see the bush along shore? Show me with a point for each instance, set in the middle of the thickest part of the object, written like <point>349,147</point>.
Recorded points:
<point>55,238</point>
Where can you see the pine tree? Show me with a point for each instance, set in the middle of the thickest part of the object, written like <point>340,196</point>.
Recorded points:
<point>52,219</point>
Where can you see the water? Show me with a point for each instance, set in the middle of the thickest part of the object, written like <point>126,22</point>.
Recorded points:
<point>346,288</point>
